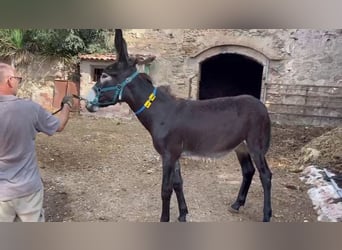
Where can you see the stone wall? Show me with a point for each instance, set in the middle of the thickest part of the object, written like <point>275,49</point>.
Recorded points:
<point>176,50</point>
<point>38,80</point>
<point>306,86</point>
<point>302,79</point>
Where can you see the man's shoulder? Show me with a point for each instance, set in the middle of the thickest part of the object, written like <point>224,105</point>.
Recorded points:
<point>26,101</point>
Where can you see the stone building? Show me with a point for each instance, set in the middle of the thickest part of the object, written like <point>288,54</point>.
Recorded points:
<point>47,81</point>
<point>297,73</point>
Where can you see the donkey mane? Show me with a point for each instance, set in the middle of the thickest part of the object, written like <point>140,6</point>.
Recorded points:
<point>166,89</point>
<point>147,78</point>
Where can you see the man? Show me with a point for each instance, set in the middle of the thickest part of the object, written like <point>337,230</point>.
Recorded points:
<point>21,188</point>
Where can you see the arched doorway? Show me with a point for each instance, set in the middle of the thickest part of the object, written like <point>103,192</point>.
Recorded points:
<point>230,74</point>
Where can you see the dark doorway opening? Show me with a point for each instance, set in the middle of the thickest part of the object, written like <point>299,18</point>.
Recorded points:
<point>97,74</point>
<point>230,75</point>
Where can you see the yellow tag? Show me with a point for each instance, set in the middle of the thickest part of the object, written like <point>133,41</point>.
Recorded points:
<point>152,97</point>
<point>147,104</point>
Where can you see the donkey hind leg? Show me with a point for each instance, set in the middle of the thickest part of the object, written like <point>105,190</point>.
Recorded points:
<point>248,171</point>
<point>266,178</point>
<point>167,185</point>
<point>178,188</point>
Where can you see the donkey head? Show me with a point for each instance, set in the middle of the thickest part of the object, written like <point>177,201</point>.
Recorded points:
<point>109,88</point>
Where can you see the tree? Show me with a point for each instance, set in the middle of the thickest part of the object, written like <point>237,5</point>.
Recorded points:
<point>65,44</point>
<point>13,46</point>
<point>69,42</point>
<point>95,40</point>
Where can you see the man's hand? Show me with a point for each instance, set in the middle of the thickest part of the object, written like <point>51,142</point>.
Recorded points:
<point>68,99</point>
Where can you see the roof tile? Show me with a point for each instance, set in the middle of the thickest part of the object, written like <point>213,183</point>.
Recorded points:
<point>142,59</point>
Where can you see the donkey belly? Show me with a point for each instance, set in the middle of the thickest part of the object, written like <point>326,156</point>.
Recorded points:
<point>211,128</point>
<point>206,154</point>
<point>211,144</point>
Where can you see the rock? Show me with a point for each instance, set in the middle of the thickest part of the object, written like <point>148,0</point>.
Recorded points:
<point>290,186</point>
<point>150,171</point>
<point>310,154</point>
<point>102,218</point>
<point>296,169</point>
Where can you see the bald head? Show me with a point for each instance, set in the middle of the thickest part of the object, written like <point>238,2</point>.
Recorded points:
<point>9,81</point>
<point>5,71</point>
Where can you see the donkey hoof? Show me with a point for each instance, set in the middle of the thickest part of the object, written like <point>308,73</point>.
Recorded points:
<point>234,208</point>
<point>182,218</point>
<point>267,216</point>
<point>164,219</point>
<point>266,219</point>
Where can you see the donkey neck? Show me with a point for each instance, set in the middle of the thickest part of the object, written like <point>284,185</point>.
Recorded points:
<point>138,92</point>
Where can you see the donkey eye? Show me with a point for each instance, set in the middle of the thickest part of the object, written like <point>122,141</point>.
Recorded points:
<point>104,76</point>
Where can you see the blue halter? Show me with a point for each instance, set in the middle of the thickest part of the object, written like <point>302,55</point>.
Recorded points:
<point>118,90</point>
<point>148,102</point>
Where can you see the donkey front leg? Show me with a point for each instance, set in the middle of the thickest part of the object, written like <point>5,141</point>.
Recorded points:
<point>178,188</point>
<point>167,185</point>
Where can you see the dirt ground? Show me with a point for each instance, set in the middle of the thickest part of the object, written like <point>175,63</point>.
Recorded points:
<point>101,169</point>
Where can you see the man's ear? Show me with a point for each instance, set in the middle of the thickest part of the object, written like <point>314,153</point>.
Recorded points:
<point>9,82</point>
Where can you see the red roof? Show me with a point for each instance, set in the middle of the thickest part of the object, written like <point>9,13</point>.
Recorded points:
<point>99,57</point>
<point>142,59</point>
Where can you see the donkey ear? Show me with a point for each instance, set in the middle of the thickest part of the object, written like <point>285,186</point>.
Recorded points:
<point>120,46</point>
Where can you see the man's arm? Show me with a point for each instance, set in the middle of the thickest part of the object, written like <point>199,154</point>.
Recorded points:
<point>63,117</point>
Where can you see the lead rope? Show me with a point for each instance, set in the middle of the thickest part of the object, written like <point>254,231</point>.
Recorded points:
<point>58,110</point>
<point>75,96</point>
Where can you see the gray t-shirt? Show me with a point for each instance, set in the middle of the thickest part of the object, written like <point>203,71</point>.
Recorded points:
<point>20,121</point>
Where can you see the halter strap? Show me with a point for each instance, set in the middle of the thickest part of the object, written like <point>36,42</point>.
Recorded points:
<point>148,102</point>
<point>118,91</point>
<point>127,81</point>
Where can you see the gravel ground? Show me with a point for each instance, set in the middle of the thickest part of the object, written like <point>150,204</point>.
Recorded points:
<point>101,169</point>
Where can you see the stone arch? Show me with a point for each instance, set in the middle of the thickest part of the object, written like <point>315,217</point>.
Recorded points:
<point>195,63</point>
